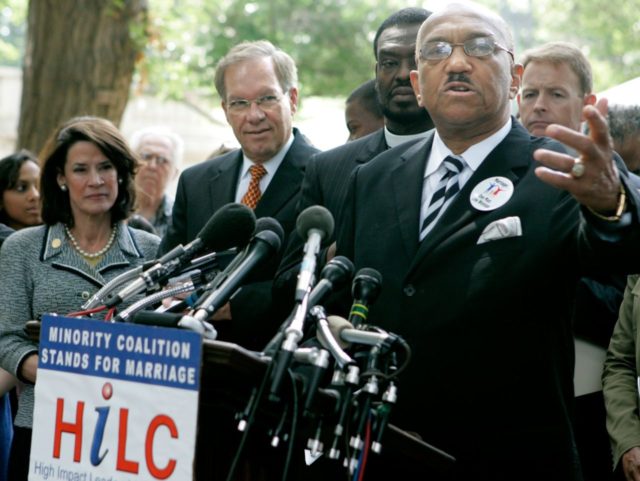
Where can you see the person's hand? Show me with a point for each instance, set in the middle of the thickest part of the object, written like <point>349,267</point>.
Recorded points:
<point>29,368</point>
<point>599,186</point>
<point>631,464</point>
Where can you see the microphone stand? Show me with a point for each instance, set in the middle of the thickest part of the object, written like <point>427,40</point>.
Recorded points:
<point>124,316</point>
<point>369,391</point>
<point>292,335</point>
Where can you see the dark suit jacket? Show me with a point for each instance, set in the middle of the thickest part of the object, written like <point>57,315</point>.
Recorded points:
<point>327,177</point>
<point>490,380</point>
<point>325,183</point>
<point>203,189</point>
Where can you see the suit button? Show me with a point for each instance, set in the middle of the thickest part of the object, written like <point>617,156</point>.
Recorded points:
<point>409,290</point>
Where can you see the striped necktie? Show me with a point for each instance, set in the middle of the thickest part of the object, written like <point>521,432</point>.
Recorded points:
<point>251,198</point>
<point>446,188</point>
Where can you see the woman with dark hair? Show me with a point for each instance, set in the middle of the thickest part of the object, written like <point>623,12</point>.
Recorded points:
<point>19,207</point>
<point>87,188</point>
<point>19,194</point>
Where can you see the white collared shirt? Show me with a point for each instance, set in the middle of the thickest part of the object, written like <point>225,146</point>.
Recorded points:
<point>435,169</point>
<point>270,165</point>
<point>393,140</point>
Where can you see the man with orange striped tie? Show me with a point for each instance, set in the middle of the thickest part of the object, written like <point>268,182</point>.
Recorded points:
<point>258,85</point>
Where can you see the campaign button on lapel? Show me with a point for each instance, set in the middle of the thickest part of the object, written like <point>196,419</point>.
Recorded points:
<point>491,193</point>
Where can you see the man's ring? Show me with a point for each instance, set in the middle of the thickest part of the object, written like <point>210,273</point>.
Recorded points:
<point>577,170</point>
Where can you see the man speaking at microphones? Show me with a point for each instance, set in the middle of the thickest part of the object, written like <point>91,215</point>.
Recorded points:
<point>480,232</point>
<point>258,86</point>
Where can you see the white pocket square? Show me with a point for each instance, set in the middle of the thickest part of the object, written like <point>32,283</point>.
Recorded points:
<point>501,229</point>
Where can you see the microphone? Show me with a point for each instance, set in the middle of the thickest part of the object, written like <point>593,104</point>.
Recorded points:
<point>152,318</point>
<point>314,224</point>
<point>229,226</point>
<point>334,276</point>
<point>262,246</point>
<point>318,359</point>
<point>365,289</point>
<point>389,399</point>
<point>327,338</point>
<point>344,333</point>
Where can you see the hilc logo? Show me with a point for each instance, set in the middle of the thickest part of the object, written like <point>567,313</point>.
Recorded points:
<point>99,452</point>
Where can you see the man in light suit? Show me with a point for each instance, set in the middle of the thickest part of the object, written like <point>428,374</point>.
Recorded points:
<point>480,232</point>
<point>327,174</point>
<point>257,83</point>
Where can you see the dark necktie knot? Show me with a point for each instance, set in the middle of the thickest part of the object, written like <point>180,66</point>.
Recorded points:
<point>453,164</point>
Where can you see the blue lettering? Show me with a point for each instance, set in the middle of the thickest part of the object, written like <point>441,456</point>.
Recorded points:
<point>98,435</point>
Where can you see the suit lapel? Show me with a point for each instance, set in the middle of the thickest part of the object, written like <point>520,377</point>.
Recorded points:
<point>57,250</point>
<point>407,179</point>
<point>223,181</point>
<point>286,181</point>
<point>510,159</point>
<point>376,143</point>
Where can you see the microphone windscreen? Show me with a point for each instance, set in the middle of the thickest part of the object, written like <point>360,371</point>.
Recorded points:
<point>315,217</point>
<point>270,224</point>
<point>338,270</point>
<point>369,274</point>
<point>230,226</point>
<point>271,238</point>
<point>336,325</point>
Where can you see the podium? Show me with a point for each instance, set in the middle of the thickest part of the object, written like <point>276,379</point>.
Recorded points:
<point>230,375</point>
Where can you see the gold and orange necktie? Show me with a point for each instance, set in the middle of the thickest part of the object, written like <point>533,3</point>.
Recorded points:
<point>251,198</point>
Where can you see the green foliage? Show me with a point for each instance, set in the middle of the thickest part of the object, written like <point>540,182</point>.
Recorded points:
<point>328,39</point>
<point>608,33</point>
<point>12,31</point>
<point>331,39</point>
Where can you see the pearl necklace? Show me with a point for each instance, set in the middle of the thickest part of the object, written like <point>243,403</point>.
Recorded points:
<point>93,255</point>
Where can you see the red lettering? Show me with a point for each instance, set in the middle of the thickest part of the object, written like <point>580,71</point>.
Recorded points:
<point>122,463</point>
<point>62,427</point>
<point>156,472</point>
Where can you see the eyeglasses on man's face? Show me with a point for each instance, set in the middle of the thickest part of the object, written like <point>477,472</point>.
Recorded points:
<point>160,160</point>
<point>474,47</point>
<point>266,102</point>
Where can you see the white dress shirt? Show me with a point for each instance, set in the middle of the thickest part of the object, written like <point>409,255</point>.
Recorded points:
<point>270,165</point>
<point>435,169</point>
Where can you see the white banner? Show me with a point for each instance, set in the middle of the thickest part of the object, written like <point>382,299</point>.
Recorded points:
<point>114,402</point>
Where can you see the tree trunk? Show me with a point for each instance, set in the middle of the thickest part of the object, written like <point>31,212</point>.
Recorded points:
<point>79,60</point>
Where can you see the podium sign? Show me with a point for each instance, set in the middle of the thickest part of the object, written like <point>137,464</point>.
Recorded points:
<point>114,402</point>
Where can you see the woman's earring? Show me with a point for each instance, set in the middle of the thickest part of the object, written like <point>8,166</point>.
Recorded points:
<point>63,187</point>
<point>119,180</point>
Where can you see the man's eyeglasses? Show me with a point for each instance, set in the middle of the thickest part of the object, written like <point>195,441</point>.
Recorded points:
<point>474,47</point>
<point>266,102</point>
<point>148,157</point>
